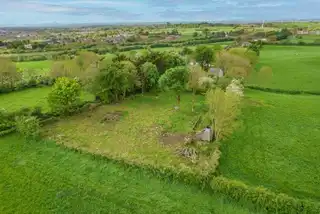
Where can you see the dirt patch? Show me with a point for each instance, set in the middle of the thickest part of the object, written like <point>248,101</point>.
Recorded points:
<point>112,116</point>
<point>256,103</point>
<point>173,138</point>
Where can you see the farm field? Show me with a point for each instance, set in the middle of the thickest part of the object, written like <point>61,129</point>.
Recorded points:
<point>278,144</point>
<point>294,67</point>
<point>30,98</point>
<point>305,38</point>
<point>40,66</point>
<point>44,178</point>
<point>44,66</point>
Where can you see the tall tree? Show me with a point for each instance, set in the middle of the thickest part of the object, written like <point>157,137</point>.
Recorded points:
<point>256,47</point>
<point>8,73</point>
<point>194,83</point>
<point>224,108</point>
<point>206,32</point>
<point>148,76</point>
<point>175,79</point>
<point>204,55</point>
<point>108,83</point>
<point>86,59</point>
<point>233,65</point>
<point>129,77</point>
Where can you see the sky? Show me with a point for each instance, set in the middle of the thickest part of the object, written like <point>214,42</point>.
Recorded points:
<point>42,12</point>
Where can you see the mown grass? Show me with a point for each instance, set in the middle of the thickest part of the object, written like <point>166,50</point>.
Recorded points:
<point>278,144</point>
<point>137,136</point>
<point>30,98</point>
<point>44,178</point>
<point>294,67</point>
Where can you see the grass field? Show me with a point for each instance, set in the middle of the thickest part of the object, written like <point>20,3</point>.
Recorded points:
<point>294,67</point>
<point>40,66</point>
<point>136,135</point>
<point>30,98</point>
<point>278,144</point>
<point>305,38</point>
<point>44,178</point>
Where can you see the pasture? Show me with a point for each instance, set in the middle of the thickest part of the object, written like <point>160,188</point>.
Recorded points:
<point>305,38</point>
<point>30,98</point>
<point>277,145</point>
<point>294,67</point>
<point>41,177</point>
<point>39,66</point>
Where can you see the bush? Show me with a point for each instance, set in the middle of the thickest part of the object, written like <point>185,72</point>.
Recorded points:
<point>64,97</point>
<point>262,197</point>
<point>28,127</point>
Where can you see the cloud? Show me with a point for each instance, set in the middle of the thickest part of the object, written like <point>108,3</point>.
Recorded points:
<point>36,11</point>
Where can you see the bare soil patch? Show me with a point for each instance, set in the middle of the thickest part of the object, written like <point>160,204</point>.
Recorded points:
<point>112,116</point>
<point>173,138</point>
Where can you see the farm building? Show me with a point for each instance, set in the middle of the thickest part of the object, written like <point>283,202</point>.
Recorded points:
<point>216,72</point>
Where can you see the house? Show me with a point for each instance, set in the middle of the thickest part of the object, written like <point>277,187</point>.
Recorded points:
<point>315,32</point>
<point>302,32</point>
<point>28,46</point>
<point>216,72</point>
<point>193,63</point>
<point>246,44</point>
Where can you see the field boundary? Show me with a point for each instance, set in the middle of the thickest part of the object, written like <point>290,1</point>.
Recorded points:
<point>260,197</point>
<point>282,91</point>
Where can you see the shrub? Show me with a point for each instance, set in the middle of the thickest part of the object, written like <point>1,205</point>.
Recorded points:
<point>64,96</point>
<point>5,121</point>
<point>148,75</point>
<point>262,197</point>
<point>28,127</point>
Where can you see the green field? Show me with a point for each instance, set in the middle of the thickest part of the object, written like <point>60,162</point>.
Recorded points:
<point>278,144</point>
<point>44,178</point>
<point>305,38</point>
<point>294,67</point>
<point>40,66</point>
<point>29,98</point>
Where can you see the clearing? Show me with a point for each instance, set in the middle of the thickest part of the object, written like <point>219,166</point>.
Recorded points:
<point>144,130</point>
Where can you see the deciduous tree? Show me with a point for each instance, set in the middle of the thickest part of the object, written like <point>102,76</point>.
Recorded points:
<point>64,95</point>
<point>148,76</point>
<point>204,55</point>
<point>195,75</point>
<point>175,79</point>
<point>8,73</point>
<point>223,110</point>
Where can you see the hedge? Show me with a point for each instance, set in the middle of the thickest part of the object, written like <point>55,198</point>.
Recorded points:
<point>259,197</point>
<point>45,118</point>
<point>38,81</point>
<point>292,43</point>
<point>282,91</point>
<point>263,198</point>
<point>8,131</point>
